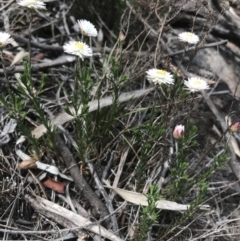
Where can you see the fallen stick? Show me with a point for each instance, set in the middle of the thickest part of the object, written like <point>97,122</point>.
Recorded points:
<point>41,204</point>
<point>99,209</point>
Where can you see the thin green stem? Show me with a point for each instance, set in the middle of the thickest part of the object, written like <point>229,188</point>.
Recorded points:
<point>91,59</point>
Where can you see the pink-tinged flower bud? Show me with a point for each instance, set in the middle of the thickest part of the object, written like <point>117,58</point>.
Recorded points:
<point>178,131</point>
<point>234,127</point>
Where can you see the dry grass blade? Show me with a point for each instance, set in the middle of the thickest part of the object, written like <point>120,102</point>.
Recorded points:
<point>19,57</point>
<point>140,199</point>
<point>93,105</point>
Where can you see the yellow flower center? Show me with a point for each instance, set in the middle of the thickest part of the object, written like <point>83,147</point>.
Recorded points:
<point>189,35</point>
<point>79,46</point>
<point>197,82</point>
<point>162,72</point>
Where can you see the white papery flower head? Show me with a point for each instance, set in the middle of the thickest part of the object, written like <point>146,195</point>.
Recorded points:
<point>78,48</point>
<point>196,84</point>
<point>159,76</point>
<point>87,28</point>
<point>33,4</point>
<point>5,39</point>
<point>188,37</point>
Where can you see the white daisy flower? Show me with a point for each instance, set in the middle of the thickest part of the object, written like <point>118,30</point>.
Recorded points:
<point>78,48</point>
<point>87,28</point>
<point>196,84</point>
<point>159,76</point>
<point>188,37</point>
<point>33,4</point>
<point>5,39</point>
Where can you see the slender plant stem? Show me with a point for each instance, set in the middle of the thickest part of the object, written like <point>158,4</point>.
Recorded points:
<point>3,66</point>
<point>29,42</point>
<point>176,146</point>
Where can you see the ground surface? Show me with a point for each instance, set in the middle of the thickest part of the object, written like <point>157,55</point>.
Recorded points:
<point>128,142</point>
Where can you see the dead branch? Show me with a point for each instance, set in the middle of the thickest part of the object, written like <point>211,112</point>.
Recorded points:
<point>41,204</point>
<point>99,209</point>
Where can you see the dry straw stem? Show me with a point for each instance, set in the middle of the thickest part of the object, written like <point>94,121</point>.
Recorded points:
<point>93,105</point>
<point>80,222</point>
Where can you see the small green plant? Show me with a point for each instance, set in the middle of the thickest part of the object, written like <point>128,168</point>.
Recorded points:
<point>148,214</point>
<point>93,129</point>
<point>25,101</point>
<point>146,135</point>
<point>194,206</point>
<point>180,183</point>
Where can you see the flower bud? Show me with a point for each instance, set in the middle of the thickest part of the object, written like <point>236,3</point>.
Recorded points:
<point>178,131</point>
<point>234,127</point>
<point>121,36</point>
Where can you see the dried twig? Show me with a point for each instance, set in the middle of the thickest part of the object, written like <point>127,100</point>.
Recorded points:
<point>36,67</point>
<point>41,204</point>
<point>106,198</point>
<point>47,47</point>
<point>215,44</point>
<point>99,209</point>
